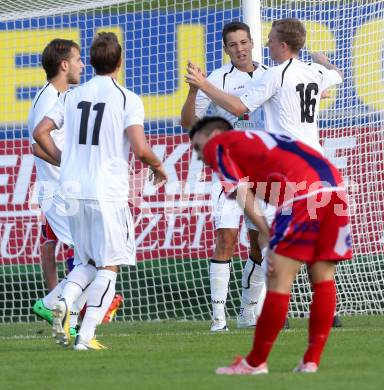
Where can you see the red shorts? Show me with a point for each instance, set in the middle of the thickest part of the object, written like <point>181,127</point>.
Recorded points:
<point>311,234</point>
<point>47,234</point>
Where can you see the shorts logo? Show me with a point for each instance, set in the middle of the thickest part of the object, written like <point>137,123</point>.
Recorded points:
<point>343,242</point>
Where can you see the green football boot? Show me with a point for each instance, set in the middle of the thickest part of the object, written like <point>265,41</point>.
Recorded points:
<point>41,311</point>
<point>74,330</point>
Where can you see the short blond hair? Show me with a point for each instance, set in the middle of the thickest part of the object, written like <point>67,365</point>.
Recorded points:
<point>292,32</point>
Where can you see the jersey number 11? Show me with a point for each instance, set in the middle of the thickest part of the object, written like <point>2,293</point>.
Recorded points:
<point>85,108</point>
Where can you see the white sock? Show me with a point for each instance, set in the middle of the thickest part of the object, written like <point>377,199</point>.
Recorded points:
<point>219,274</point>
<point>53,296</point>
<point>77,282</point>
<point>76,308</point>
<point>253,285</point>
<point>100,296</point>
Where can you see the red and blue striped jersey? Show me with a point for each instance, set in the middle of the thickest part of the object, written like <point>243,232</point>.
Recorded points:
<point>280,169</point>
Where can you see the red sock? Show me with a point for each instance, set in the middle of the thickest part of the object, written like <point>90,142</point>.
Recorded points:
<point>269,324</point>
<point>320,319</point>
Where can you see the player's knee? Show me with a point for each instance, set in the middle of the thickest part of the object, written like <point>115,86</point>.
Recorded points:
<point>226,240</point>
<point>278,282</point>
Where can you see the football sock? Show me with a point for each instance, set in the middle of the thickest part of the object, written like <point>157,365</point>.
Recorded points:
<point>53,296</point>
<point>100,295</point>
<point>77,282</point>
<point>253,284</point>
<point>270,322</point>
<point>320,320</point>
<point>219,274</point>
<point>76,308</point>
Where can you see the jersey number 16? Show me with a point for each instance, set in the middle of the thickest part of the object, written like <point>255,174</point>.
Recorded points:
<point>307,101</point>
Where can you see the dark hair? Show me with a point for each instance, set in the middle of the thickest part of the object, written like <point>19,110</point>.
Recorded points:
<point>209,123</point>
<point>55,52</point>
<point>292,32</point>
<point>105,53</point>
<point>235,26</point>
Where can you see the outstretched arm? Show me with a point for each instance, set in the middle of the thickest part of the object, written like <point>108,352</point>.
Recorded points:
<point>230,103</point>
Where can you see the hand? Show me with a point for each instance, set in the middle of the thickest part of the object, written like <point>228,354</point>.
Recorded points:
<point>195,77</point>
<point>319,58</point>
<point>263,240</point>
<point>159,175</point>
<point>325,94</point>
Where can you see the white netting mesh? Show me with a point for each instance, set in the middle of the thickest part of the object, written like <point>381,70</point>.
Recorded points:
<point>174,228</point>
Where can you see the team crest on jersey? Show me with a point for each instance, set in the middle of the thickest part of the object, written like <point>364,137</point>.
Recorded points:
<point>244,117</point>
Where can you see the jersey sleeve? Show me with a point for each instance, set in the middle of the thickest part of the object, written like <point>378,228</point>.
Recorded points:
<point>38,110</point>
<point>262,89</point>
<point>56,113</point>
<point>330,77</point>
<point>202,104</point>
<point>134,111</point>
<point>202,100</point>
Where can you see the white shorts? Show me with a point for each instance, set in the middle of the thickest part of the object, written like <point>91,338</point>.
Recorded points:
<point>227,212</point>
<point>103,232</point>
<point>269,212</point>
<point>54,209</point>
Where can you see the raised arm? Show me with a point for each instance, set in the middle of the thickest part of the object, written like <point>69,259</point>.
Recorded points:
<point>322,59</point>
<point>230,103</point>
<point>188,116</point>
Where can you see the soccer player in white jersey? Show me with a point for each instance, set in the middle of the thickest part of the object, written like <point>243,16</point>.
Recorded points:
<point>290,93</point>
<point>102,121</point>
<point>63,66</point>
<point>233,78</point>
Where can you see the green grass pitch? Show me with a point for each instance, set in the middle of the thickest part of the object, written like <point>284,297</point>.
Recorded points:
<point>183,355</point>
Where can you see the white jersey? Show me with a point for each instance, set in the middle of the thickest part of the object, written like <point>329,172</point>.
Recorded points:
<point>47,175</point>
<point>290,94</point>
<point>234,82</point>
<point>94,163</point>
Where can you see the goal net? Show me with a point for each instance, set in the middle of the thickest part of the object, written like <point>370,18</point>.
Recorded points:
<point>174,230</point>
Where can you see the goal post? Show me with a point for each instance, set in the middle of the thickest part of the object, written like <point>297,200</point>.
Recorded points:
<point>174,230</point>
<point>252,17</point>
